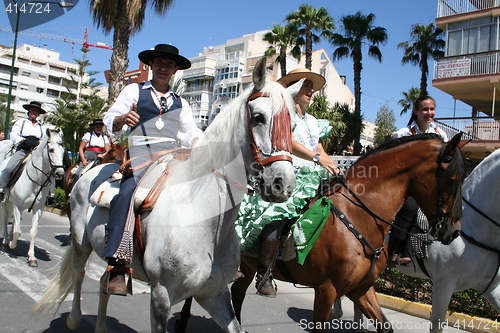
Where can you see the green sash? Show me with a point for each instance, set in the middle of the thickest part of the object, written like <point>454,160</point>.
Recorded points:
<point>307,229</point>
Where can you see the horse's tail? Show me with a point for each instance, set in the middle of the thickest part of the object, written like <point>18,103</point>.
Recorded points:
<point>60,285</point>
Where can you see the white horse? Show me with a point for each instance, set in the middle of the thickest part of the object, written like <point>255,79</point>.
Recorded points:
<point>471,260</point>
<point>191,247</point>
<point>6,149</point>
<point>31,189</point>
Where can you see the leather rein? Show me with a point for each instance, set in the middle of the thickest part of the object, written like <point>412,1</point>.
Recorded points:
<point>259,162</point>
<point>48,175</point>
<point>377,252</point>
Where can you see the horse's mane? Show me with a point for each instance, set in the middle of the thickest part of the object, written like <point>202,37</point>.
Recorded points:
<point>455,167</point>
<point>399,141</point>
<point>228,131</point>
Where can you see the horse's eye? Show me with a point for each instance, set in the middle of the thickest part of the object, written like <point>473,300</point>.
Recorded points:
<point>259,118</point>
<point>51,150</point>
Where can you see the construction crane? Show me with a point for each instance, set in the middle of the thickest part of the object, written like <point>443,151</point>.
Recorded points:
<point>85,42</point>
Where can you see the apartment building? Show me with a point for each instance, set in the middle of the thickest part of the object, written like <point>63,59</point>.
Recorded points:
<point>220,73</point>
<point>38,75</point>
<point>470,70</point>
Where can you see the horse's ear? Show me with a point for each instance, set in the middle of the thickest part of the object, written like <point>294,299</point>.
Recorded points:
<point>295,88</point>
<point>463,143</point>
<point>48,132</point>
<point>259,74</point>
<point>452,144</point>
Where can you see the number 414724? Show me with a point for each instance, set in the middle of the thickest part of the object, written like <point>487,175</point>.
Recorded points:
<point>36,8</point>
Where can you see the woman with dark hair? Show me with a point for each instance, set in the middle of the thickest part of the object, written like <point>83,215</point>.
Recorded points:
<point>95,144</point>
<point>421,121</point>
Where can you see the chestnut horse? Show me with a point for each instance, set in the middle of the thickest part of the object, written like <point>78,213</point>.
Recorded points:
<point>350,253</point>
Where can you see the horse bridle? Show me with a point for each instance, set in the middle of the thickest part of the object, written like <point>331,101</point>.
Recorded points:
<point>48,175</point>
<point>456,209</point>
<point>258,162</point>
<point>53,168</point>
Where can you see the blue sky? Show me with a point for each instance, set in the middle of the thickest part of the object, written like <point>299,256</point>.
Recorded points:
<point>193,24</point>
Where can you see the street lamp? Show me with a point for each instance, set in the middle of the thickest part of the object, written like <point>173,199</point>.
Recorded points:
<point>11,79</point>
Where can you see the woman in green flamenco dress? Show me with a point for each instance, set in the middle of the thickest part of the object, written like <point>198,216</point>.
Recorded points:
<point>260,223</point>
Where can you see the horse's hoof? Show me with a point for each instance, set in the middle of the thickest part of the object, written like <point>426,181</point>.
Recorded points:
<point>33,263</point>
<point>70,324</point>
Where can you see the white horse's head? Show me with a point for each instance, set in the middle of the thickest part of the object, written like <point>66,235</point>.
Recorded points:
<point>53,147</point>
<point>270,122</point>
<point>257,126</point>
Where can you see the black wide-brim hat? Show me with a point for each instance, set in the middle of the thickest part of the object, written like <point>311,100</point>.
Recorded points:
<point>96,122</point>
<point>35,104</point>
<point>165,51</point>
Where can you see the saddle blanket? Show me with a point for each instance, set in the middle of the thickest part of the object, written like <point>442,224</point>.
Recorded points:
<point>103,195</point>
<point>304,232</point>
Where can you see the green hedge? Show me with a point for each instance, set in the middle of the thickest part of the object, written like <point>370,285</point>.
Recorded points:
<point>394,283</point>
<point>60,197</point>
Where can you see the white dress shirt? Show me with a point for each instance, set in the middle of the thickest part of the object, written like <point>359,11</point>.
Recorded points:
<point>179,124</point>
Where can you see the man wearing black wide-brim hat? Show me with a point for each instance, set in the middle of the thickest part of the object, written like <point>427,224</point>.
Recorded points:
<point>144,108</point>
<point>26,134</point>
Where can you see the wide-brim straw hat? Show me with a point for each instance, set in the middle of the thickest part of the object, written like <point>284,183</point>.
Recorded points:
<point>301,73</point>
<point>96,122</point>
<point>35,104</point>
<point>165,51</point>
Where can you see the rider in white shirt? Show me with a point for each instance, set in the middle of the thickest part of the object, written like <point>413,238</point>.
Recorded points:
<point>26,134</point>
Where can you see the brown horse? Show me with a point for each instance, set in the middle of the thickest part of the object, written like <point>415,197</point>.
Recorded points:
<point>349,253</point>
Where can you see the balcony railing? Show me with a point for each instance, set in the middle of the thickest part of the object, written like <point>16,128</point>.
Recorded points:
<point>465,65</point>
<point>202,71</point>
<point>453,7</point>
<point>480,128</point>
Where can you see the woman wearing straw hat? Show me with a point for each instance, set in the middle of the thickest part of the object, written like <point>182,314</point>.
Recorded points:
<point>26,134</point>
<point>94,145</point>
<point>260,223</point>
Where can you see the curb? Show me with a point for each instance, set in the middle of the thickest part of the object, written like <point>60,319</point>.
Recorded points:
<point>454,319</point>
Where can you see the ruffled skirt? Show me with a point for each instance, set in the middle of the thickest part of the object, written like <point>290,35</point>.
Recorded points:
<point>255,213</point>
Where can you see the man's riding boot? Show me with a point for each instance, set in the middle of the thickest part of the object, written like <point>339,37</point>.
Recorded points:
<point>115,284</point>
<point>265,286</point>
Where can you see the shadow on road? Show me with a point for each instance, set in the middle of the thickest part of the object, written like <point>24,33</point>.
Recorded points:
<point>22,251</point>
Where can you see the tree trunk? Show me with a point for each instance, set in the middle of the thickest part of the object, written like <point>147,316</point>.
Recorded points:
<point>309,49</point>
<point>283,61</point>
<point>425,70</point>
<point>119,58</point>
<point>357,103</point>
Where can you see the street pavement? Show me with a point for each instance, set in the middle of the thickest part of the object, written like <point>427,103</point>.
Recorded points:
<point>21,287</point>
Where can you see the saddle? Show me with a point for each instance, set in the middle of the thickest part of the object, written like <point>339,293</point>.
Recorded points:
<point>148,188</point>
<point>16,173</point>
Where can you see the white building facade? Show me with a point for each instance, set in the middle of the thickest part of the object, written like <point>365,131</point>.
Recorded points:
<point>222,72</point>
<point>38,76</point>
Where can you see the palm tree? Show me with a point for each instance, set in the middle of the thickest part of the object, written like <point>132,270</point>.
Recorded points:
<point>426,42</point>
<point>358,30</point>
<point>342,121</point>
<point>307,20</point>
<point>73,111</point>
<point>124,17</point>
<point>281,38</point>
<point>409,98</point>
